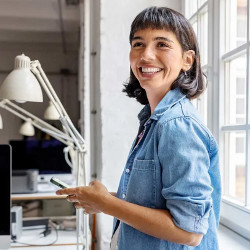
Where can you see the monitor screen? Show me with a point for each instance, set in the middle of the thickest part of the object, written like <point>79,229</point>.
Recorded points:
<point>5,186</point>
<point>45,155</point>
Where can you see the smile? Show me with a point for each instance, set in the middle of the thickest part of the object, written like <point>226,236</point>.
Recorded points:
<point>150,71</point>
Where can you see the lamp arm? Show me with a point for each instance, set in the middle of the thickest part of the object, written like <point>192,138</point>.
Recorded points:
<point>37,70</point>
<point>30,115</point>
<point>78,135</point>
<point>45,127</point>
<point>65,122</point>
<point>64,117</point>
<point>53,134</point>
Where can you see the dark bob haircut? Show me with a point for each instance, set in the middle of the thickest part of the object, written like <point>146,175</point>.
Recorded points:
<point>193,83</point>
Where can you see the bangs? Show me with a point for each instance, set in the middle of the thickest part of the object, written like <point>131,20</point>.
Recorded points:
<point>153,18</point>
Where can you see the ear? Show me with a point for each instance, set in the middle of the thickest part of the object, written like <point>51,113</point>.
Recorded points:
<point>188,59</point>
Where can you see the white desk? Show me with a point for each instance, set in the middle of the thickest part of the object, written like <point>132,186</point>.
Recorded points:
<point>66,240</point>
<point>37,196</point>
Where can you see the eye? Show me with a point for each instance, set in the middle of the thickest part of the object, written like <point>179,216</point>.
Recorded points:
<point>137,44</point>
<point>162,45</point>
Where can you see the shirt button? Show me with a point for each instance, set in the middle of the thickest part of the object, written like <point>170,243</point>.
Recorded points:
<point>123,196</point>
<point>127,170</point>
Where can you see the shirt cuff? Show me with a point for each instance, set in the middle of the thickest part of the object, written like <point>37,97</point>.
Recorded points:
<point>189,216</point>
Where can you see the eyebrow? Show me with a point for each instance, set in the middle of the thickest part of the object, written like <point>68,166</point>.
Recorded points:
<point>155,39</point>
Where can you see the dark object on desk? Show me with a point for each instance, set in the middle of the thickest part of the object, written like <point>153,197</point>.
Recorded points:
<point>5,186</point>
<point>24,181</point>
<point>46,232</point>
<point>37,223</point>
<point>34,223</point>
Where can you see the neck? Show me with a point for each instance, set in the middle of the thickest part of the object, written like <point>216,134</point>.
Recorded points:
<point>154,98</point>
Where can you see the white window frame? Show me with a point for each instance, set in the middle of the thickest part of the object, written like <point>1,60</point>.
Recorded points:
<point>233,214</point>
<point>201,102</point>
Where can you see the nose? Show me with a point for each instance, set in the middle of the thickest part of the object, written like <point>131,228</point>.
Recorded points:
<point>147,54</point>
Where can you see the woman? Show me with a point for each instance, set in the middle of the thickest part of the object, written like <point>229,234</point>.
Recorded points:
<point>169,193</point>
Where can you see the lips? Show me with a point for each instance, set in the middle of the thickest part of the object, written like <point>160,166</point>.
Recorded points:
<point>149,71</point>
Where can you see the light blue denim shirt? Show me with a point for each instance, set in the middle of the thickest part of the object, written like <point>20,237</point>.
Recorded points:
<point>174,166</point>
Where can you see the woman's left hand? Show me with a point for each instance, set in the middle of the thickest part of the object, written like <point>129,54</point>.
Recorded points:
<point>90,198</point>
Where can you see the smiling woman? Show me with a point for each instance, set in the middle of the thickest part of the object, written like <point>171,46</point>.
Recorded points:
<point>169,192</point>
<point>191,82</point>
<point>156,60</point>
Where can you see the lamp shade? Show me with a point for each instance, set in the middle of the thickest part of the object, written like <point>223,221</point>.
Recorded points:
<point>1,122</point>
<point>51,112</point>
<point>27,128</point>
<point>21,85</point>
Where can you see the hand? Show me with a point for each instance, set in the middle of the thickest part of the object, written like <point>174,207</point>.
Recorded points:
<point>91,198</point>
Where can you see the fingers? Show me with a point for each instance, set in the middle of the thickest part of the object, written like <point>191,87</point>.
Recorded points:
<point>67,191</point>
<point>86,208</point>
<point>77,205</point>
<point>72,198</point>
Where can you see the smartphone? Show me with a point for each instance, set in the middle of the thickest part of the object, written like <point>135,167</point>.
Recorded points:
<point>59,183</point>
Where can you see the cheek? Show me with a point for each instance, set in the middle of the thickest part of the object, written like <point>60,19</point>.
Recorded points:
<point>176,63</point>
<point>132,59</point>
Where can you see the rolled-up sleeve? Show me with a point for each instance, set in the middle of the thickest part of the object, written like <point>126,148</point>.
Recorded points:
<point>183,152</point>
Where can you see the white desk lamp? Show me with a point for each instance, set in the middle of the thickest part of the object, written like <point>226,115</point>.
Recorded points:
<point>27,129</point>
<point>22,85</point>
<point>51,112</point>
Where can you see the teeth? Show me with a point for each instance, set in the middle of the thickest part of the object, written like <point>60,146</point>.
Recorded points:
<point>150,70</point>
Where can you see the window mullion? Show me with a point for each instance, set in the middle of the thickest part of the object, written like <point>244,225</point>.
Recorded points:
<point>247,170</point>
<point>247,180</point>
<point>235,127</point>
<point>235,52</point>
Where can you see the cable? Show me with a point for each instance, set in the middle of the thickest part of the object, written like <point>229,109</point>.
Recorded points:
<point>44,233</point>
<point>66,156</point>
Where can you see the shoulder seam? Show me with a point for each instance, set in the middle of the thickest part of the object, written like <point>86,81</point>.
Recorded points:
<point>193,119</point>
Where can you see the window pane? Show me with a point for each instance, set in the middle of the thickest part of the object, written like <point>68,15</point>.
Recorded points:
<point>204,37</point>
<point>241,86</point>
<point>240,106</point>
<point>235,155</point>
<point>191,7</point>
<point>195,27</point>
<point>235,23</point>
<point>235,91</point>
<point>200,104</point>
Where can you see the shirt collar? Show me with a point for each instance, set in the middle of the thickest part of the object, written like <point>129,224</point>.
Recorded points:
<point>169,100</point>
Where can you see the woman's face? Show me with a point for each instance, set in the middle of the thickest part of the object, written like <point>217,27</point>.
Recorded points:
<point>156,59</point>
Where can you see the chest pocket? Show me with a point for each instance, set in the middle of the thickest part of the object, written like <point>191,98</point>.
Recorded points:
<point>142,183</point>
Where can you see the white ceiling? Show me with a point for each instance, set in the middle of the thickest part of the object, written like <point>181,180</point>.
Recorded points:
<point>39,23</point>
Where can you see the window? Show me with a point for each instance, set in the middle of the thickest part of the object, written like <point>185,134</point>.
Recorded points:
<point>225,57</point>
<point>197,13</point>
<point>235,125</point>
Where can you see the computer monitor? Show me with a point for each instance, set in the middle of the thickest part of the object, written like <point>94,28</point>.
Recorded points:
<point>45,155</point>
<point>5,187</point>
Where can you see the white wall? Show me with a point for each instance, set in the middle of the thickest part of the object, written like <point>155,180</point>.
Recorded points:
<point>119,122</point>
